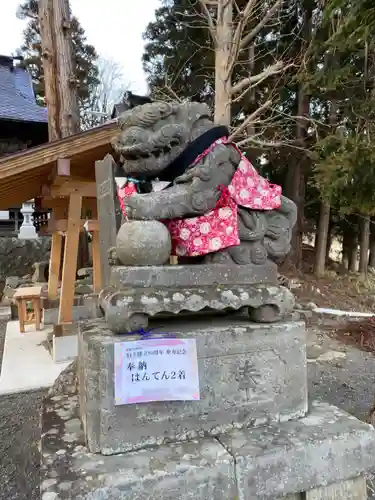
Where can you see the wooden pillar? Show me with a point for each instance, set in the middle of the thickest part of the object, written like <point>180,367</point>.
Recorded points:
<point>70,259</point>
<point>55,258</point>
<point>54,265</point>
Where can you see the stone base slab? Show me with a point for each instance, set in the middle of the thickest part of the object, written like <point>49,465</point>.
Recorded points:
<point>199,275</point>
<point>320,457</point>
<point>249,374</point>
<point>326,447</point>
<point>198,470</point>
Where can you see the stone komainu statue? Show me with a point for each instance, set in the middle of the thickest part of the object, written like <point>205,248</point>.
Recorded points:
<point>226,223</point>
<point>162,140</point>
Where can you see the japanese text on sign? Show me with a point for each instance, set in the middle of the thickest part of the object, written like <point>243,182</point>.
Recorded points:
<point>164,369</point>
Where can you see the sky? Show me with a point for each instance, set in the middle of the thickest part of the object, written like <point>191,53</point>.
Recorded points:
<point>114,27</point>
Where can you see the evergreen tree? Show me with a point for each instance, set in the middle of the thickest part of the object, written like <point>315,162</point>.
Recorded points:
<point>345,159</point>
<point>178,53</point>
<point>85,56</point>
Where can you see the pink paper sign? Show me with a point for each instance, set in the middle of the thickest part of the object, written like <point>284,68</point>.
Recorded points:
<point>156,370</point>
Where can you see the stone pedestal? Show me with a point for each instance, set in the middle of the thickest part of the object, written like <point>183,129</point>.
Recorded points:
<point>249,374</point>
<point>251,437</point>
<point>138,293</point>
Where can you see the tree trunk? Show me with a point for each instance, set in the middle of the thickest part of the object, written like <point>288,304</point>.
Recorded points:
<point>371,261</point>
<point>353,255</point>
<point>223,46</point>
<point>322,253</point>
<point>329,242</point>
<point>47,36</point>
<point>364,244</point>
<point>298,174</point>
<point>322,238</point>
<point>352,244</point>
<point>66,78</point>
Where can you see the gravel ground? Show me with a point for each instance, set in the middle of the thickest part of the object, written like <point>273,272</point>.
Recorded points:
<point>19,440</point>
<point>347,383</point>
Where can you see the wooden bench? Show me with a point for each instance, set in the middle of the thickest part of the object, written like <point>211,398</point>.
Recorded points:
<point>22,297</point>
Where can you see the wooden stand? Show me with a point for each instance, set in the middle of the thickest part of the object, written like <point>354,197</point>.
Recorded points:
<point>24,295</point>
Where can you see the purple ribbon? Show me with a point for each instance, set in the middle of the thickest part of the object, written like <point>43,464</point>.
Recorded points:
<point>146,334</point>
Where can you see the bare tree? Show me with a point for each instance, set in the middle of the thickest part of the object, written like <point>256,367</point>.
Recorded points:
<point>240,48</point>
<point>233,32</point>
<point>109,91</point>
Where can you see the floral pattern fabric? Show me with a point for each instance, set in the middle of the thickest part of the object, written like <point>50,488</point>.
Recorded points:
<point>128,189</point>
<point>218,229</point>
<point>207,233</point>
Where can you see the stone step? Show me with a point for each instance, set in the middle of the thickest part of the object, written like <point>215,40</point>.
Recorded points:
<point>323,456</point>
<point>327,447</point>
<point>249,374</point>
<point>200,469</point>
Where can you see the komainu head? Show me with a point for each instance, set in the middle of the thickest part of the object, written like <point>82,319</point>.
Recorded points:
<point>153,135</point>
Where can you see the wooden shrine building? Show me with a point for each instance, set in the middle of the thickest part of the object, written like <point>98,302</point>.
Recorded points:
<point>60,177</point>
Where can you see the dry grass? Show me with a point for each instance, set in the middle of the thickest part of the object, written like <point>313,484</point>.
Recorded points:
<point>337,290</point>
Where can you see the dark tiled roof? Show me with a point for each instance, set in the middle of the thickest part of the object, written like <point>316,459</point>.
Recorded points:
<point>17,99</point>
<point>129,101</point>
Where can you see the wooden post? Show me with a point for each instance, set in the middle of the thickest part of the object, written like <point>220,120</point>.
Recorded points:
<point>54,265</point>
<point>56,254</point>
<point>70,259</point>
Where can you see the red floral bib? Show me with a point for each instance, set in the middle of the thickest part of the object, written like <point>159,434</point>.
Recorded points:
<point>218,229</point>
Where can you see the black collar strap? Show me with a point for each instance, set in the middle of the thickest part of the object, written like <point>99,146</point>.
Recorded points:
<point>180,164</point>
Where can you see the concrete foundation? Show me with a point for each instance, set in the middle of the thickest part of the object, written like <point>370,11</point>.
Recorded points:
<point>64,348</point>
<point>85,307</point>
<point>250,374</point>
<point>321,456</point>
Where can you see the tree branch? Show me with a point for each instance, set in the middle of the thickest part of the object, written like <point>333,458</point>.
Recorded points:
<point>251,80</point>
<point>253,33</point>
<point>244,17</point>
<point>269,144</point>
<point>211,24</point>
<point>250,119</point>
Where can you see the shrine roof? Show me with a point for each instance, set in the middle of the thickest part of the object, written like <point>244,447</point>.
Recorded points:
<point>23,174</point>
<point>17,98</point>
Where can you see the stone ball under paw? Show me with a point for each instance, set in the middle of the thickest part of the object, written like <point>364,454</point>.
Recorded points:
<point>143,243</point>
